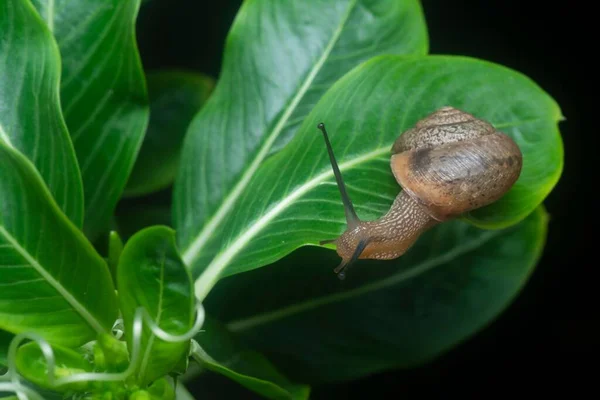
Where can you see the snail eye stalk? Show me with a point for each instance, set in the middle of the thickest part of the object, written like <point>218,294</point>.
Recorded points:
<point>351,217</point>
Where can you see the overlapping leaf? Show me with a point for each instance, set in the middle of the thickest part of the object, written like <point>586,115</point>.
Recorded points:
<point>219,352</point>
<point>293,198</point>
<point>280,58</point>
<point>33,365</point>
<point>175,97</point>
<point>30,116</point>
<point>103,95</point>
<point>52,280</point>
<point>386,314</point>
<point>152,276</point>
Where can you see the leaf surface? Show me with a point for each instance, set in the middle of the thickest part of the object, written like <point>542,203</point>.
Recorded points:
<point>219,352</point>
<point>31,120</point>
<point>293,201</point>
<point>52,281</point>
<point>103,95</point>
<point>386,314</point>
<point>175,97</point>
<point>32,364</point>
<point>151,275</point>
<point>280,57</point>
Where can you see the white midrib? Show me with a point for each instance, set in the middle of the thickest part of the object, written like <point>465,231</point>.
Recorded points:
<point>196,245</point>
<point>210,275</point>
<point>395,279</point>
<point>161,293</point>
<point>50,15</point>
<point>77,306</point>
<point>5,138</point>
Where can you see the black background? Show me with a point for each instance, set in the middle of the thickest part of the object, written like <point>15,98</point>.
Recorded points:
<point>547,337</point>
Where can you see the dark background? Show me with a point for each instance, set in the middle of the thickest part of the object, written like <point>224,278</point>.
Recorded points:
<point>546,338</point>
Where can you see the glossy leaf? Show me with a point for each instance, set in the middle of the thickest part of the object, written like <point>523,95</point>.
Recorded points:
<point>31,120</point>
<point>386,314</point>
<point>279,59</point>
<point>151,275</point>
<point>103,95</point>
<point>32,364</point>
<point>115,248</point>
<point>52,280</point>
<point>175,97</point>
<point>293,200</point>
<point>219,352</point>
<point>161,390</point>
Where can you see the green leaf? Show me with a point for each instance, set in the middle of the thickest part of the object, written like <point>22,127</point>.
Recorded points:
<point>31,120</point>
<point>175,97</point>
<point>52,280</point>
<point>219,352</point>
<point>293,199</point>
<point>110,354</point>
<point>151,275</point>
<point>161,390</point>
<point>103,95</point>
<point>115,248</point>
<point>280,58</point>
<point>386,314</point>
<point>32,364</point>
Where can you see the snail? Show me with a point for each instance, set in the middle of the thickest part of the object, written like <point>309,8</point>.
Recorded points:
<point>448,164</point>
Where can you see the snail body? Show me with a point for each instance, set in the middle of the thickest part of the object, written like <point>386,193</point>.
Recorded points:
<point>448,164</point>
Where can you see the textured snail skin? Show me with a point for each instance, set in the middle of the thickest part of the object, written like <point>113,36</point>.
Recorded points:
<point>389,236</point>
<point>448,164</point>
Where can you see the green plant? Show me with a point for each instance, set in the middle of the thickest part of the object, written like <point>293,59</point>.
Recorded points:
<point>84,315</point>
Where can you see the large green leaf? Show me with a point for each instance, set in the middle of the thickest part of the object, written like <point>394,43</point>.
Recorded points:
<point>219,352</point>
<point>386,314</point>
<point>103,95</point>
<point>175,97</point>
<point>30,116</point>
<point>280,57</point>
<point>292,200</point>
<point>151,275</point>
<point>52,281</point>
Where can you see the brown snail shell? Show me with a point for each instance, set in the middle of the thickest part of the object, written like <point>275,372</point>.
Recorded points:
<point>448,164</point>
<point>452,163</point>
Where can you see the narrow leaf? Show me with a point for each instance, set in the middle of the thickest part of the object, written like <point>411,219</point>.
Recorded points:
<point>292,200</point>
<point>31,120</point>
<point>52,280</point>
<point>151,275</point>
<point>386,314</point>
<point>219,352</point>
<point>280,57</point>
<point>103,95</point>
<point>175,97</point>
